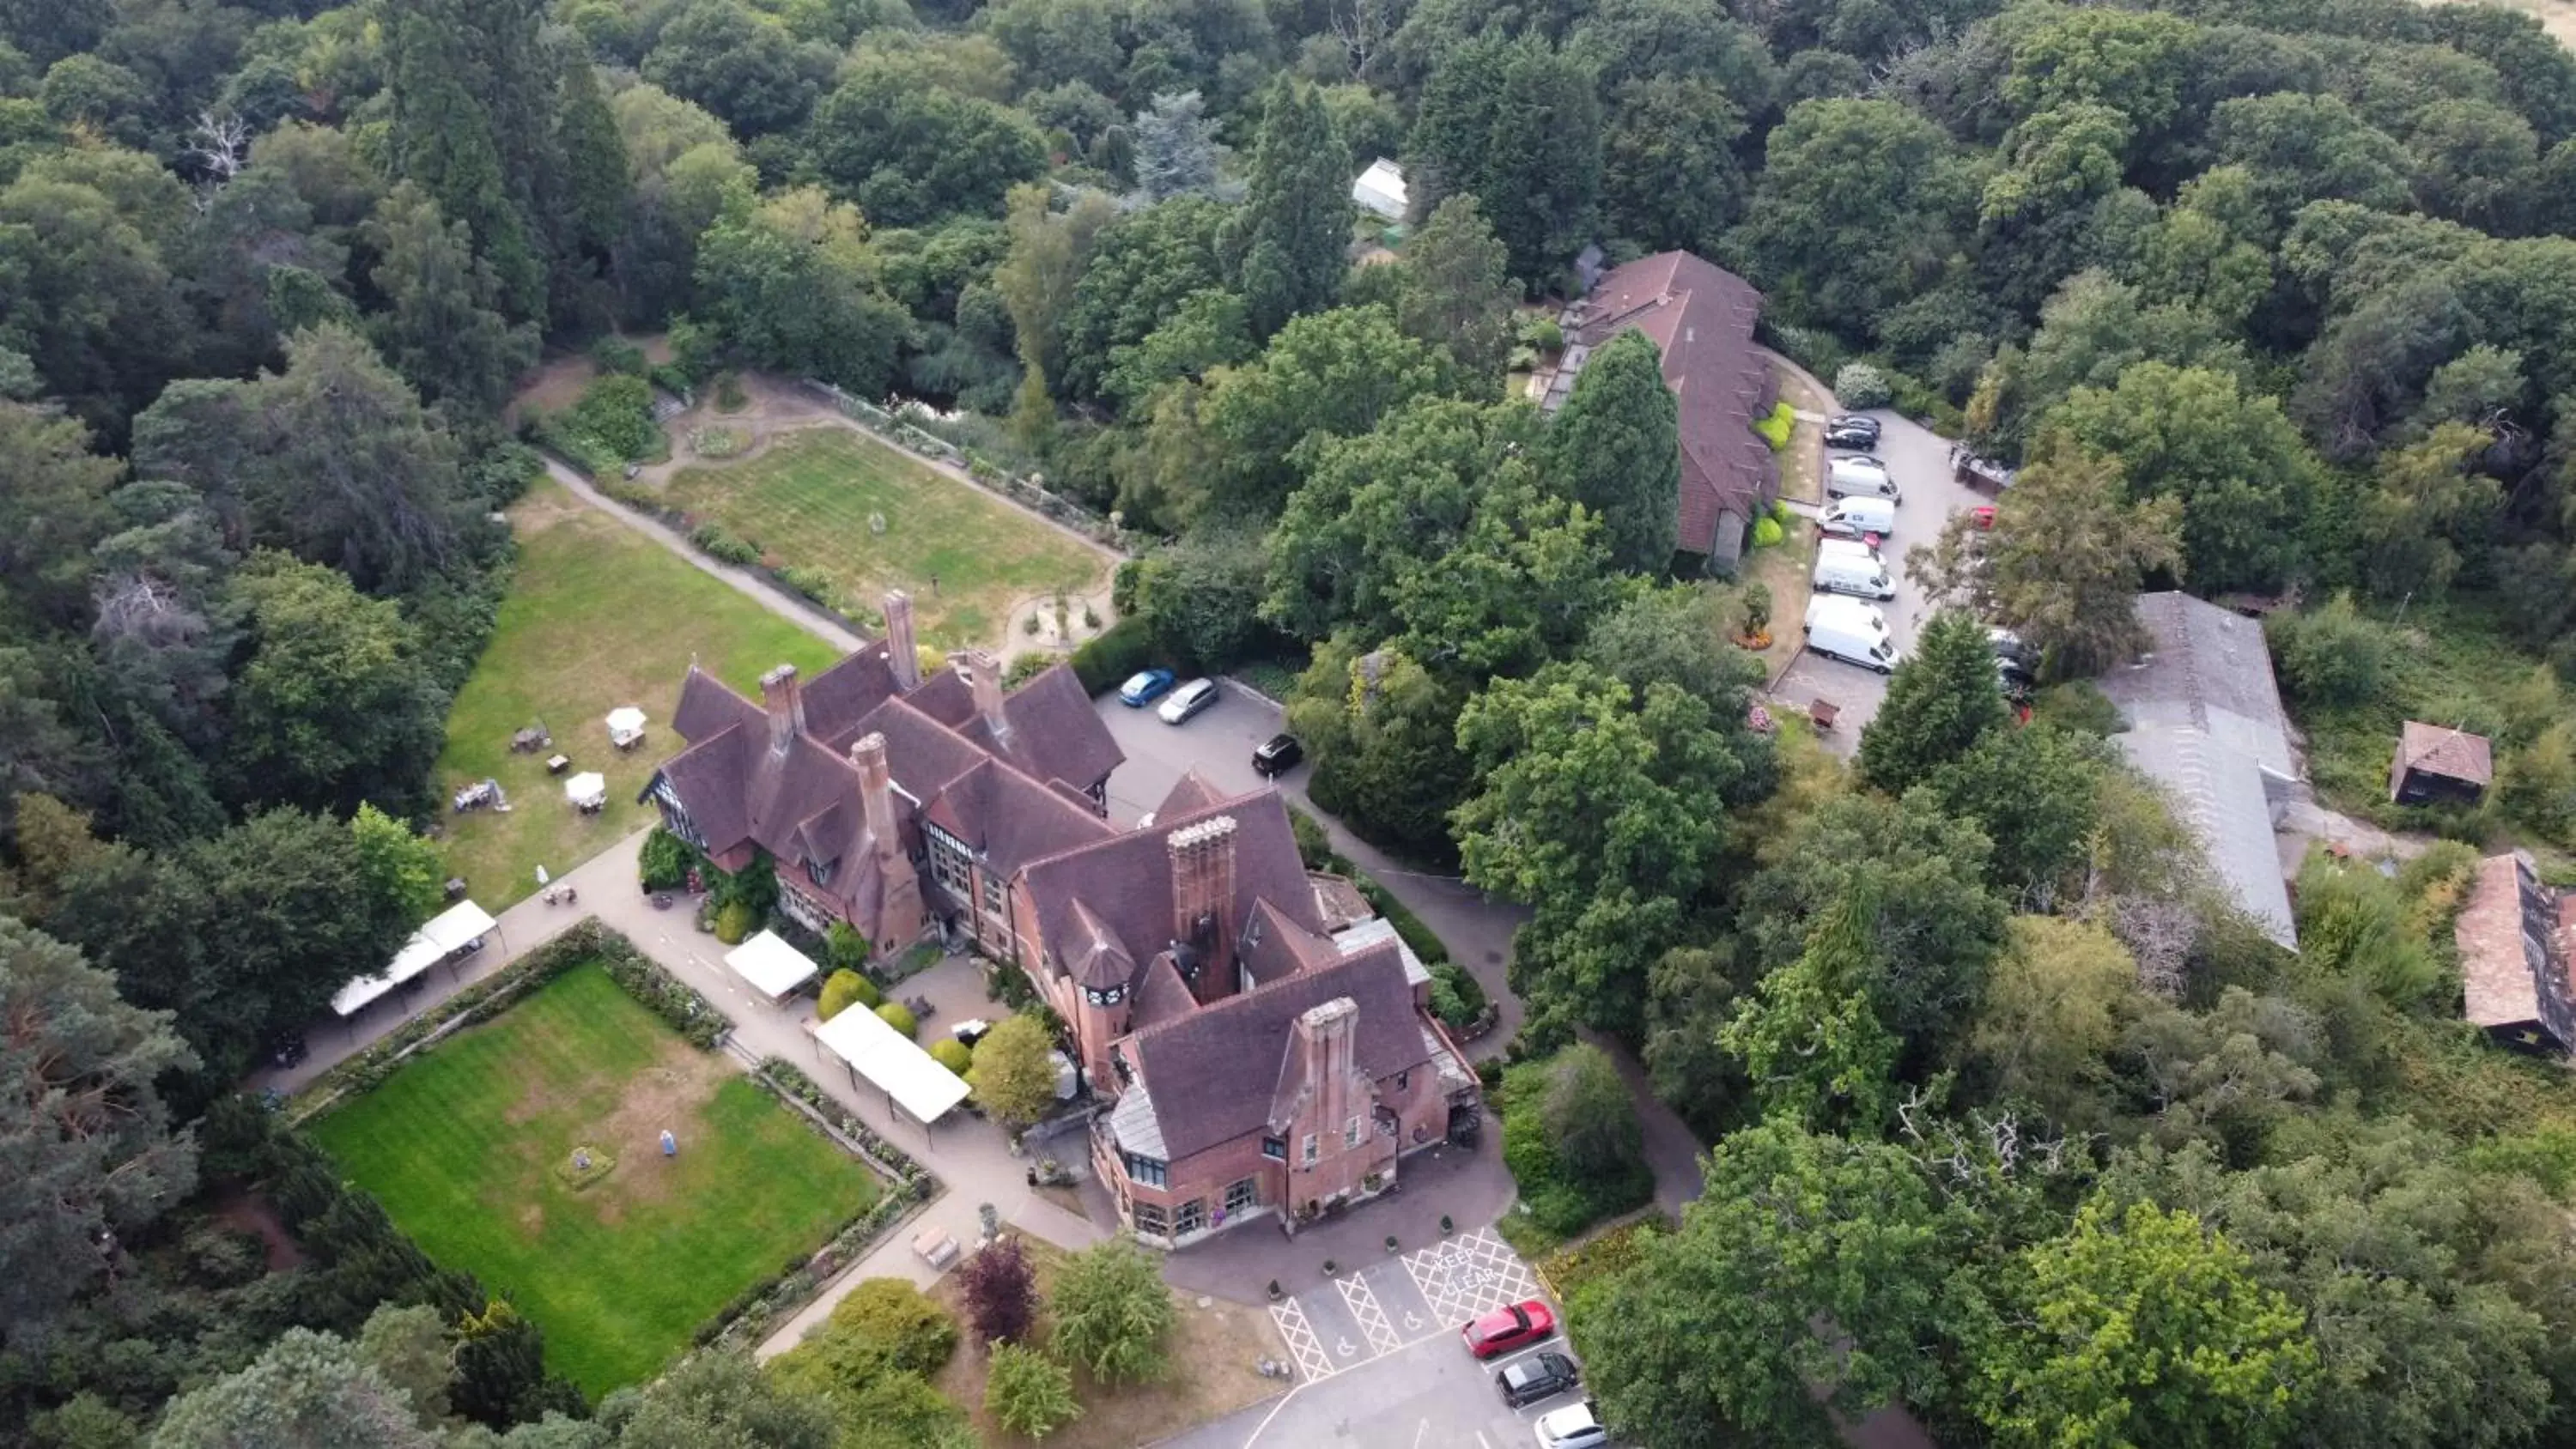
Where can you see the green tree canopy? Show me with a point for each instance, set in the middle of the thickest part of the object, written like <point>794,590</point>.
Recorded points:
<point>85,1143</point>
<point>336,704</point>
<point>1809,1275</point>
<point>1942,700</point>
<point>2138,1327</point>
<point>307,1388</point>
<point>1012,1077</point>
<point>1289,235</point>
<point>1600,811</point>
<point>1113,1313</point>
<point>1519,124</point>
<point>1615,448</point>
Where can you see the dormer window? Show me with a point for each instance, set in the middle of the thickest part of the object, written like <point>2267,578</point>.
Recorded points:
<point>819,871</point>
<point>1104,995</point>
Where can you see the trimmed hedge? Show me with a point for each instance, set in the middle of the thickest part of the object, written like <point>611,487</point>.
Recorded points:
<point>789,1080</point>
<point>688,1013</point>
<point>953,1054</point>
<point>899,1016</point>
<point>1425,944</point>
<point>845,989</point>
<point>1102,663</point>
<point>1456,997</point>
<point>1776,426</point>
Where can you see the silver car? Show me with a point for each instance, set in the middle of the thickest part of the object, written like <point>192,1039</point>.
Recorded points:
<point>1188,700</point>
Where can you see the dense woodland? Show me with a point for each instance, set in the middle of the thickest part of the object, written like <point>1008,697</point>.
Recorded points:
<point>2012,1119</point>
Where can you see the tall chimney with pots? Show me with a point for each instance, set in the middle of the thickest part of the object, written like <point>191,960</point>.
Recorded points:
<point>785,702</point>
<point>1202,896</point>
<point>983,674</point>
<point>902,655</point>
<point>1332,1094</point>
<point>899,910</point>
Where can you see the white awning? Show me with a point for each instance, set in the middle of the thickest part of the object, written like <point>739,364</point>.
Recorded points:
<point>449,932</point>
<point>773,967</point>
<point>587,788</point>
<point>891,1061</point>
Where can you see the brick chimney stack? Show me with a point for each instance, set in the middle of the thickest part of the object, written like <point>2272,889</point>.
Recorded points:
<point>901,653</point>
<point>900,916</point>
<point>785,701</point>
<point>1327,1041</point>
<point>1203,888</point>
<point>983,674</point>
<point>876,791</point>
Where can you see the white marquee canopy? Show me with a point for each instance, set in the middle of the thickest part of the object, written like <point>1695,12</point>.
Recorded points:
<point>889,1059</point>
<point>447,933</point>
<point>773,967</point>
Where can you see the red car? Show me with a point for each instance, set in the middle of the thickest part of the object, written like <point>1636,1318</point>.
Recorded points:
<point>1505,1329</point>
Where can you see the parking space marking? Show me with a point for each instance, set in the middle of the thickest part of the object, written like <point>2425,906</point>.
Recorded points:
<point>1470,1276</point>
<point>1364,1307</point>
<point>1302,1343</point>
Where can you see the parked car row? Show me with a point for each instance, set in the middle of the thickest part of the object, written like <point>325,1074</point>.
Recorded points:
<point>1861,497</point>
<point>1183,702</point>
<point>1536,1377</point>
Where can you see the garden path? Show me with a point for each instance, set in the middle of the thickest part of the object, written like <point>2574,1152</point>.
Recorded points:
<point>750,585</point>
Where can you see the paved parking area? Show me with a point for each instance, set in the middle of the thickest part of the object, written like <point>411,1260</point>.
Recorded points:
<point>1379,1360</point>
<point>1386,1306</point>
<point>1919,460</point>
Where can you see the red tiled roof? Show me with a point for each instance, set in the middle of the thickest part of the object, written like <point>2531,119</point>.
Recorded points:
<point>803,804</point>
<point>1126,879</point>
<point>2450,753</point>
<point>1204,1071</point>
<point>1700,317</point>
<point>2507,972</point>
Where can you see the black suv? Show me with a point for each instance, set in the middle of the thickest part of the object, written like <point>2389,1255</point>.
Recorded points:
<point>1851,430</point>
<point>1277,755</point>
<point>1539,1376</point>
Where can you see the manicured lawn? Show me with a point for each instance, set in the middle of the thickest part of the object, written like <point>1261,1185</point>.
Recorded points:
<point>806,501</point>
<point>461,1146</point>
<point>597,617</point>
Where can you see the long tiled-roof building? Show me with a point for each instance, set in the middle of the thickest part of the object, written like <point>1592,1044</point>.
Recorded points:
<point>1253,1060</point>
<point>1700,318</point>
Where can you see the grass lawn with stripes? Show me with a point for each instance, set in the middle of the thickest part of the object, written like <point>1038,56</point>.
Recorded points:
<point>806,501</point>
<point>464,1144</point>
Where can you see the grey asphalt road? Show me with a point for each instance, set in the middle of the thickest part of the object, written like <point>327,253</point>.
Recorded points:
<point>1919,460</point>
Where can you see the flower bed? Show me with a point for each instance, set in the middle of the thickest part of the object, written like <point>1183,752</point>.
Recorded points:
<point>788,1080</point>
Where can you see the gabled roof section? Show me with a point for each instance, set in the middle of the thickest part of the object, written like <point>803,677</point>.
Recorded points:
<point>708,706</point>
<point>2450,753</point>
<point>1189,793</point>
<point>2206,668</point>
<point>1274,945</point>
<point>1161,994</point>
<point>1009,818</point>
<point>840,697</point>
<point>1202,1070</point>
<point>1055,733</point>
<point>708,778</point>
<point>2514,938</point>
<point>1126,877</point>
<point>1700,318</point>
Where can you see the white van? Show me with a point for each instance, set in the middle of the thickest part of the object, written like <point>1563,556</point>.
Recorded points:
<point>1849,476</point>
<point>1823,609</point>
<point>1852,641</point>
<point>1850,547</point>
<point>1843,574</point>
<point>1868,515</point>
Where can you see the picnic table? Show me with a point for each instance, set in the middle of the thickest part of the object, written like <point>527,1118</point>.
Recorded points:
<point>936,1247</point>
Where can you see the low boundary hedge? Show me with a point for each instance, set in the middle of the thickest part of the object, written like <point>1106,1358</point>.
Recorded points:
<point>688,1013</point>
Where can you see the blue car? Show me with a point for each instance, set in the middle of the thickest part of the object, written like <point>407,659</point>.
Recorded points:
<point>1144,688</point>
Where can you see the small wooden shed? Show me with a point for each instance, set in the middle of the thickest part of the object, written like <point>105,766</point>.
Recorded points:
<point>2437,765</point>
